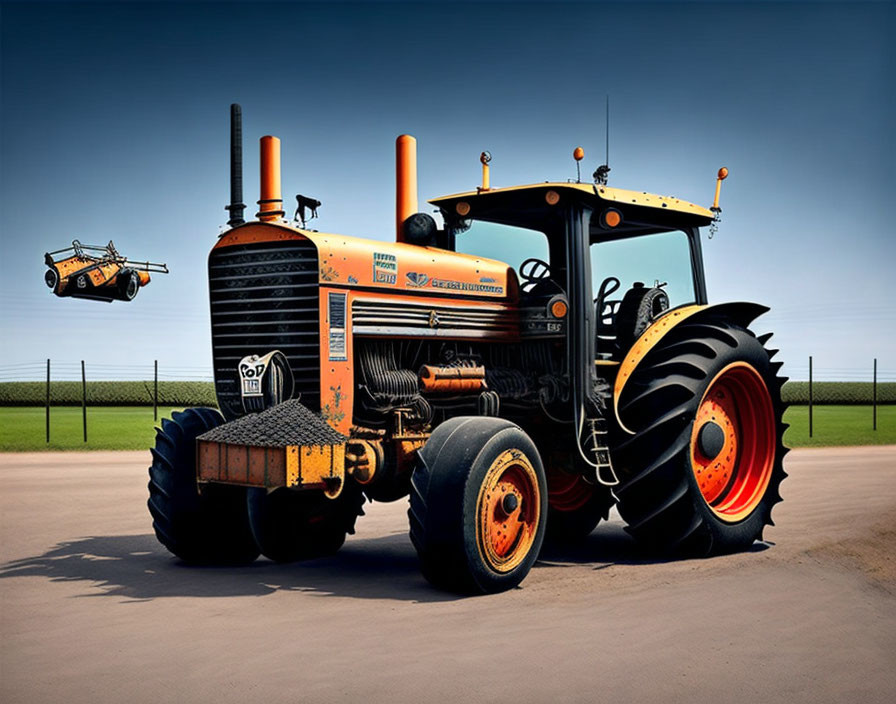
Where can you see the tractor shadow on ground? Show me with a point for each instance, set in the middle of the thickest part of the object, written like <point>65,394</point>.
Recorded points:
<point>606,546</point>
<point>137,567</point>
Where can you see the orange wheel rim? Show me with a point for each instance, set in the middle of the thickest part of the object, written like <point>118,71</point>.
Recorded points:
<point>508,511</point>
<point>733,442</point>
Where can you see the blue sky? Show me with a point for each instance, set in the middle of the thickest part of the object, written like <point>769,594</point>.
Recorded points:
<point>114,125</point>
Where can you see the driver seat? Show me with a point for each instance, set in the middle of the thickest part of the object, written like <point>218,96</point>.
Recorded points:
<point>605,328</point>
<point>638,309</point>
<point>605,319</point>
<point>619,323</point>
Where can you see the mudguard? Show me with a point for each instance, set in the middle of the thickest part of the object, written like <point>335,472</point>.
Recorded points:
<point>741,313</point>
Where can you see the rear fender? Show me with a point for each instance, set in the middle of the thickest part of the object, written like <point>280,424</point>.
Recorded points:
<point>741,313</point>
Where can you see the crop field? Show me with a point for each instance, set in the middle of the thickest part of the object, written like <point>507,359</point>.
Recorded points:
<point>107,393</point>
<point>23,429</point>
<point>202,393</point>
<point>838,392</point>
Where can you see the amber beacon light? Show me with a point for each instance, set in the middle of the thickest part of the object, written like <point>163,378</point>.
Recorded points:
<point>722,175</point>
<point>578,154</point>
<point>610,218</point>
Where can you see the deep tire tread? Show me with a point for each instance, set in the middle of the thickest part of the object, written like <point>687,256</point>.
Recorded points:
<point>658,498</point>
<point>658,511</point>
<point>211,528</point>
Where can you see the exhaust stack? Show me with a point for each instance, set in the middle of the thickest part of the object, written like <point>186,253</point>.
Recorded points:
<point>236,206</point>
<point>405,182</point>
<point>271,201</point>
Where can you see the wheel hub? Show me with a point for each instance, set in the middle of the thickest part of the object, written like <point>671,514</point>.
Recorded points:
<point>508,510</point>
<point>710,440</point>
<point>509,504</point>
<point>733,442</point>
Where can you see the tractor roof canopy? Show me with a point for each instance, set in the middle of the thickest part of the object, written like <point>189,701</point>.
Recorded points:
<point>540,206</point>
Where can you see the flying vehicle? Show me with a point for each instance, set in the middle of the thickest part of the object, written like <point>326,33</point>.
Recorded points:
<point>97,273</point>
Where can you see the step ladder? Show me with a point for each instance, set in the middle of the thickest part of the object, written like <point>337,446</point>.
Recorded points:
<point>603,471</point>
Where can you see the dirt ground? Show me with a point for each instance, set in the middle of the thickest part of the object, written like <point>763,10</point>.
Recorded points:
<point>93,609</point>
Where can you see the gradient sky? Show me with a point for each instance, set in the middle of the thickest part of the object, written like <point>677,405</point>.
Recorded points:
<point>115,126</point>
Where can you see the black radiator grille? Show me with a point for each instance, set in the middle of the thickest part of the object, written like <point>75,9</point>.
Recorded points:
<point>264,297</point>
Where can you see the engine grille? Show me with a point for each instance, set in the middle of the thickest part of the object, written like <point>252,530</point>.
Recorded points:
<point>264,296</point>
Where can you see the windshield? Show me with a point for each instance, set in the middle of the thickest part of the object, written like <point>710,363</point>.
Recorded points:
<point>650,259</point>
<point>506,243</point>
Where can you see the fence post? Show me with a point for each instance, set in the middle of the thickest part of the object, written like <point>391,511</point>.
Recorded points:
<point>810,395</point>
<point>874,396</point>
<point>48,401</point>
<point>155,393</point>
<point>84,399</point>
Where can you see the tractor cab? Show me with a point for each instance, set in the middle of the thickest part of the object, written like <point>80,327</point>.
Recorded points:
<point>623,257</point>
<point>617,260</point>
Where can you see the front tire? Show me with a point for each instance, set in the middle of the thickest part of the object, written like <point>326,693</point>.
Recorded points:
<point>207,528</point>
<point>702,471</point>
<point>291,525</point>
<point>478,505</point>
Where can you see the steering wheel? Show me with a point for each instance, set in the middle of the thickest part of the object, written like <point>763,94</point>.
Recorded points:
<point>608,286</point>
<point>533,271</point>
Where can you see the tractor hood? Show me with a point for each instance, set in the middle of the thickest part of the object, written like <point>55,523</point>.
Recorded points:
<point>394,266</point>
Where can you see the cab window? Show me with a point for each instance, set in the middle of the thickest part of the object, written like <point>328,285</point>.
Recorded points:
<point>505,243</point>
<point>663,258</point>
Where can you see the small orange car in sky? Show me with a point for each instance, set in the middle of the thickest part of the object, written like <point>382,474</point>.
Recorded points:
<point>97,273</point>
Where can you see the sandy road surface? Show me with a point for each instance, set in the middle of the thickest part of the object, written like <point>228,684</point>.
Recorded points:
<point>92,608</point>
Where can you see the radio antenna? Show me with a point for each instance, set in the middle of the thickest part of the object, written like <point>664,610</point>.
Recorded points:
<point>602,172</point>
<point>607,160</point>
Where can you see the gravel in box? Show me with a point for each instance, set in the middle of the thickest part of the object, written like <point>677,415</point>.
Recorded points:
<point>288,423</point>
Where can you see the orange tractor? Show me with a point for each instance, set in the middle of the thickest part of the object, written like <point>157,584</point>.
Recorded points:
<point>508,399</point>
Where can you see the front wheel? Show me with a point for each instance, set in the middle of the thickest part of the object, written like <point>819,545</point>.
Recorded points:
<point>207,528</point>
<point>478,505</point>
<point>290,525</point>
<point>701,473</point>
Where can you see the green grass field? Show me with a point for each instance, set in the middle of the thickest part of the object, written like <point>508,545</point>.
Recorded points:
<point>22,429</point>
<point>839,425</point>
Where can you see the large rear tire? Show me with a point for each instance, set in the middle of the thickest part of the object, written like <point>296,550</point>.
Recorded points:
<point>702,471</point>
<point>291,525</point>
<point>478,505</point>
<point>207,528</point>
